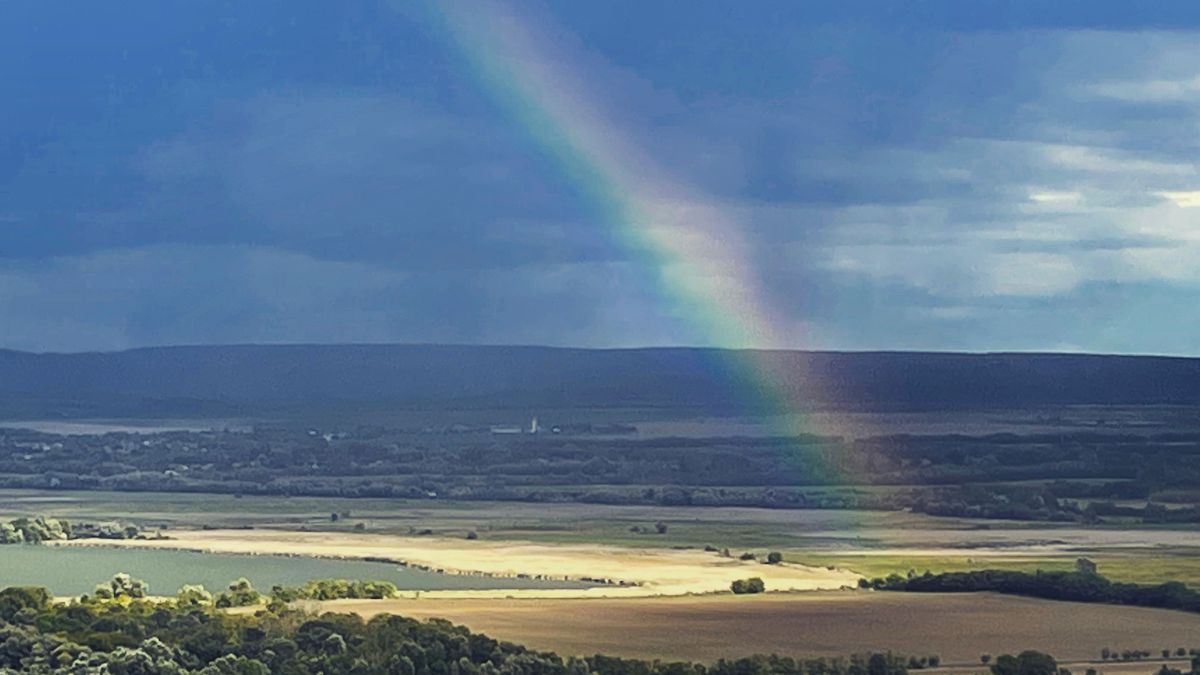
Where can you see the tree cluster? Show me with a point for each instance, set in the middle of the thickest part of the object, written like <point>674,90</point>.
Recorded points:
<point>1078,586</point>
<point>26,530</point>
<point>745,586</point>
<point>335,589</point>
<point>34,530</point>
<point>136,636</point>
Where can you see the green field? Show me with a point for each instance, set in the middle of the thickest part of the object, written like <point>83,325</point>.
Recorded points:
<point>1134,567</point>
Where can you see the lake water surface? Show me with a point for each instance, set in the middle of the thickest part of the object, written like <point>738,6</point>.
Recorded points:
<point>73,570</point>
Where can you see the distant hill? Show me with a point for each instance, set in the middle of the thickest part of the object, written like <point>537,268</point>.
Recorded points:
<point>221,380</point>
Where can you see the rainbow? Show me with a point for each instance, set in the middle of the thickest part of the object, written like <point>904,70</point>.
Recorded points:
<point>702,264</point>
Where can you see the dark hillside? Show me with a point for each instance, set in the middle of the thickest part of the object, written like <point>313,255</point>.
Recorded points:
<point>232,379</point>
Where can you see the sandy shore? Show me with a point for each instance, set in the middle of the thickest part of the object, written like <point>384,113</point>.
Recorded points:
<point>626,572</point>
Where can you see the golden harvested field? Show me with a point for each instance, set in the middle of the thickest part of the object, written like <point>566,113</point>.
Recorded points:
<point>654,571</point>
<point>957,627</point>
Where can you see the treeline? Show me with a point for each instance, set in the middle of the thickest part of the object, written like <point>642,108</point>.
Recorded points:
<point>34,530</point>
<point>240,592</point>
<point>1082,475</point>
<point>41,529</point>
<point>335,589</point>
<point>133,635</point>
<point>1078,586</point>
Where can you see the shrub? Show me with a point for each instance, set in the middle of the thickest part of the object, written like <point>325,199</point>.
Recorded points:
<point>240,594</point>
<point>193,596</point>
<point>15,599</point>
<point>123,585</point>
<point>1028,662</point>
<point>745,586</point>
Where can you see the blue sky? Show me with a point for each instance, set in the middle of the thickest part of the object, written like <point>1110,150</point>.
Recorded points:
<point>936,175</point>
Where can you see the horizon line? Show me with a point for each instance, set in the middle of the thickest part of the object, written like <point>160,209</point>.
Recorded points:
<point>679,347</point>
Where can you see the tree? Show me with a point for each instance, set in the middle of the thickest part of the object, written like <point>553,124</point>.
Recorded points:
<point>774,558</point>
<point>240,594</point>
<point>123,585</point>
<point>235,665</point>
<point>660,527</point>
<point>10,534</point>
<point>36,530</point>
<point>1006,664</point>
<point>985,658</point>
<point>17,598</point>
<point>1036,663</point>
<point>751,585</point>
<point>193,596</point>
<point>1085,566</point>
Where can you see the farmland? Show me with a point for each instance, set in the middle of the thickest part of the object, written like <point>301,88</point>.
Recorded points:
<point>647,573</point>
<point>869,543</point>
<point>959,628</point>
<point>626,571</point>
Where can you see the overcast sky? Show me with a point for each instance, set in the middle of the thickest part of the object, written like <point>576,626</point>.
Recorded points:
<point>938,175</point>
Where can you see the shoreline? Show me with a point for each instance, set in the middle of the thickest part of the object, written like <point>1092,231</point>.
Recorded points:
<point>114,545</point>
<point>605,571</point>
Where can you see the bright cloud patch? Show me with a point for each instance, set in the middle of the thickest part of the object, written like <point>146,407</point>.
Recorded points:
<point>1187,200</point>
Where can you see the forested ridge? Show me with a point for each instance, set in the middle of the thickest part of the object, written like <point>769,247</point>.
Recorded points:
<point>244,379</point>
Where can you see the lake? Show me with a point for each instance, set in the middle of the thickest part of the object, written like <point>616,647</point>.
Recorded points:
<point>77,570</point>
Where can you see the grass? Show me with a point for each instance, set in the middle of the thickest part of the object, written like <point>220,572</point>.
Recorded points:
<point>1140,568</point>
<point>548,523</point>
<point>872,566</point>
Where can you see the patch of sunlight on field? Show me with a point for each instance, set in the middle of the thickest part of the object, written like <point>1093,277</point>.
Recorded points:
<point>632,572</point>
<point>1142,568</point>
<point>872,566</point>
<point>1181,566</point>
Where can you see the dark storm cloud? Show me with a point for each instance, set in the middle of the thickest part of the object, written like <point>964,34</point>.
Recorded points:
<point>933,175</point>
